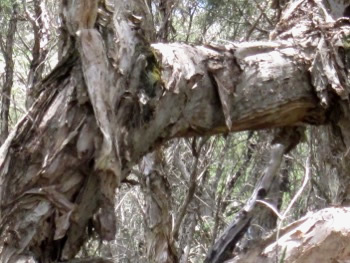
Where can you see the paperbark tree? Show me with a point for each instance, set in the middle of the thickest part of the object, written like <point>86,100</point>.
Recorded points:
<point>114,97</point>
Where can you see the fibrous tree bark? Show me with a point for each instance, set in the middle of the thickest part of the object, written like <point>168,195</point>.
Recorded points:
<point>114,97</point>
<point>318,237</point>
<point>158,219</point>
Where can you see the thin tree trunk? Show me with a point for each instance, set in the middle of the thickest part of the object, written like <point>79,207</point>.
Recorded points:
<point>40,49</point>
<point>165,9</point>
<point>7,49</point>
<point>283,142</point>
<point>113,98</point>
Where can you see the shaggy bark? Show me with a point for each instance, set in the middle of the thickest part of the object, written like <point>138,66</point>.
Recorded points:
<point>318,237</point>
<point>113,98</point>
<point>160,244</point>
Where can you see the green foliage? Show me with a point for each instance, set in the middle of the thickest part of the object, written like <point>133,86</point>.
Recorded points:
<point>283,257</point>
<point>346,42</point>
<point>6,5</point>
<point>150,78</point>
<point>221,20</point>
<point>228,167</point>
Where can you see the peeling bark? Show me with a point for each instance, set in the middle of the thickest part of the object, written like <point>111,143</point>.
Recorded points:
<point>318,237</point>
<point>160,243</point>
<point>114,97</point>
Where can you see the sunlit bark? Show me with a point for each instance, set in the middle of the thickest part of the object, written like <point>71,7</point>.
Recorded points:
<point>113,98</point>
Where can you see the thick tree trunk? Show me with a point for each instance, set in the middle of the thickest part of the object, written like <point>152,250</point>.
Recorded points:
<point>113,98</point>
<point>158,219</point>
<point>321,236</point>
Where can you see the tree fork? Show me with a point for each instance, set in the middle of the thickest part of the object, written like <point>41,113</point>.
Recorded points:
<point>99,114</point>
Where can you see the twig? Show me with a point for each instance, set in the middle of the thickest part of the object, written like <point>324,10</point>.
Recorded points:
<point>297,195</point>
<point>272,208</point>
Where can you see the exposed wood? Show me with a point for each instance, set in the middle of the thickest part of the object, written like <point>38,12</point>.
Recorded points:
<point>321,236</point>
<point>114,97</point>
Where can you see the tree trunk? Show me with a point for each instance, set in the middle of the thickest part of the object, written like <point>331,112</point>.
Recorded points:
<point>328,228</point>
<point>7,49</point>
<point>283,142</point>
<point>40,49</point>
<point>113,98</point>
<point>159,239</point>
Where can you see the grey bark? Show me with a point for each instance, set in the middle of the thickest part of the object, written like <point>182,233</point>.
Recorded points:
<point>159,239</point>
<point>284,141</point>
<point>7,50</point>
<point>326,228</point>
<point>114,98</point>
<point>40,48</point>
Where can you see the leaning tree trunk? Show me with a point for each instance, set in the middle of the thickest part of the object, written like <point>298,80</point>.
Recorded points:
<point>114,97</point>
<point>284,140</point>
